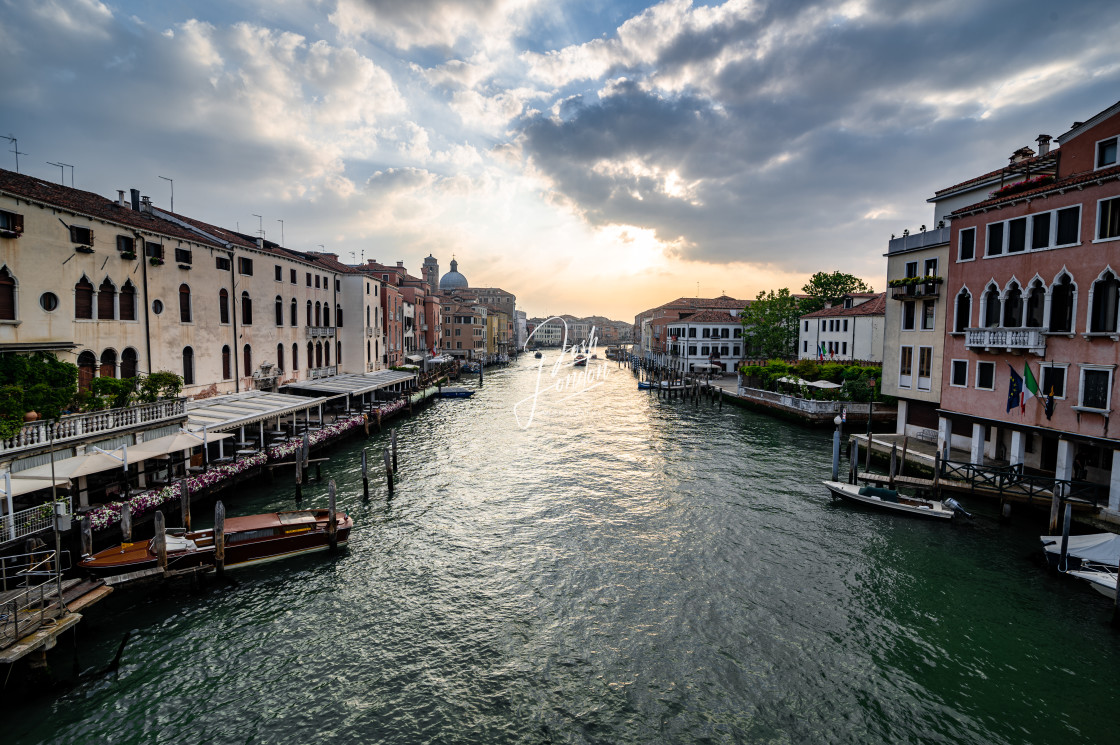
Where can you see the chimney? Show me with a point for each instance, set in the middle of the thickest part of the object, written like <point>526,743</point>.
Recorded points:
<point>1043,144</point>
<point>260,242</point>
<point>120,198</point>
<point>135,199</point>
<point>146,204</point>
<point>400,264</point>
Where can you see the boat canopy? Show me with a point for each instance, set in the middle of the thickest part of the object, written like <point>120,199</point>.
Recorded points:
<point>1099,548</point>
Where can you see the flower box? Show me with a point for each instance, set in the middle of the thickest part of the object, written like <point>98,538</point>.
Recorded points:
<point>129,255</point>
<point>155,261</point>
<point>84,249</point>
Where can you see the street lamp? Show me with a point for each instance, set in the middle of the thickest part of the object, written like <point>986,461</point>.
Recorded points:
<point>836,449</point>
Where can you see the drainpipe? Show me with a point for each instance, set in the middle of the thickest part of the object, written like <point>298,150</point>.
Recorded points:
<point>235,352</point>
<point>147,302</point>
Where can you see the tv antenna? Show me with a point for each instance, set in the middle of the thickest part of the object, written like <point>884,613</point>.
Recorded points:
<point>281,231</point>
<point>62,167</point>
<point>172,182</point>
<point>260,225</point>
<point>15,148</point>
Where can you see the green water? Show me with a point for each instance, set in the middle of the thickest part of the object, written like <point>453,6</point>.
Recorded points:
<point>624,570</point>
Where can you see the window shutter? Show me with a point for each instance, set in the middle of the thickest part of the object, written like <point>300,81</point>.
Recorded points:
<point>7,296</point>
<point>83,300</point>
<point>17,223</point>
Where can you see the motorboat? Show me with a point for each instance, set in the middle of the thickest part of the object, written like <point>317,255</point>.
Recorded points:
<point>1102,580</point>
<point>891,501</point>
<point>538,355</point>
<point>252,539</point>
<point>580,360</point>
<point>1092,550</point>
<point>456,392</point>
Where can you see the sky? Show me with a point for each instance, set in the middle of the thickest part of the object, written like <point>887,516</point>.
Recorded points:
<point>591,158</point>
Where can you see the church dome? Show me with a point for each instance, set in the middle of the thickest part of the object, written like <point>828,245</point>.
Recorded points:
<point>453,280</point>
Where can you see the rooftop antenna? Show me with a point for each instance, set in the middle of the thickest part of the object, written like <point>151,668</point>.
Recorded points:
<point>260,225</point>
<point>61,171</point>
<point>281,231</point>
<point>15,148</point>
<point>172,182</point>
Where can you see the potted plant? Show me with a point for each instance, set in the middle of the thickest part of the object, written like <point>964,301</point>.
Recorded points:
<point>155,261</point>
<point>84,249</point>
<point>128,255</point>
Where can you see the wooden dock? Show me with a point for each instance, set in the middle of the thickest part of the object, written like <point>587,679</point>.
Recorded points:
<point>40,626</point>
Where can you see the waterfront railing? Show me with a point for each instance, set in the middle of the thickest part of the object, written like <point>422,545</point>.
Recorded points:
<point>30,587</point>
<point>74,427</point>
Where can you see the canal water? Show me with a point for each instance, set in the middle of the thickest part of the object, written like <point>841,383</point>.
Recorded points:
<point>620,570</point>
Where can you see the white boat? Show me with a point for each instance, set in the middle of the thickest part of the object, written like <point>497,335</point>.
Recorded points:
<point>1101,549</point>
<point>892,501</point>
<point>1102,580</point>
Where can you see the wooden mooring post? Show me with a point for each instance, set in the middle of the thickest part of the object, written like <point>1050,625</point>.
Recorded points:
<point>1055,508</point>
<point>1065,537</point>
<point>126,523</point>
<point>902,460</point>
<point>185,503</point>
<point>306,453</point>
<point>87,536</point>
<point>853,462</point>
<point>867,458</point>
<point>332,517</point>
<point>894,464</point>
<point>388,469</point>
<point>393,440</point>
<point>220,537</point>
<point>365,476</point>
<point>298,455</point>
<point>936,473</point>
<point>161,539</point>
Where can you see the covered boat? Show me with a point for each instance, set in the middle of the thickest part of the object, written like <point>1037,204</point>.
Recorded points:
<point>891,501</point>
<point>248,540</point>
<point>1103,581</point>
<point>456,392</point>
<point>1095,549</point>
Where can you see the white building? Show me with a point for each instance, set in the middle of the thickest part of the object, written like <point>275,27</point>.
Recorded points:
<point>708,337</point>
<point>852,330</point>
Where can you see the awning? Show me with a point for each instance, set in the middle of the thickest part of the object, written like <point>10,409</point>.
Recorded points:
<point>22,485</point>
<point>353,383</point>
<point>79,465</point>
<point>241,409</point>
<point>38,346</point>
<point>172,444</point>
<point>415,358</point>
<point>824,384</point>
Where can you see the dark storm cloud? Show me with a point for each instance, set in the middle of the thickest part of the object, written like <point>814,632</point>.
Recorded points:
<point>823,120</point>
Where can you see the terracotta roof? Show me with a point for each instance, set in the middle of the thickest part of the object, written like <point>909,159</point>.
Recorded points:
<point>1036,160</point>
<point>875,307</point>
<point>1074,180</point>
<point>709,316</point>
<point>92,205</point>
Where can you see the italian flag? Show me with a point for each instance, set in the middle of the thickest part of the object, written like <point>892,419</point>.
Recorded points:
<point>1030,386</point>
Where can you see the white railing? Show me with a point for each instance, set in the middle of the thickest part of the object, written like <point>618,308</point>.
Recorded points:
<point>314,331</point>
<point>810,406</point>
<point>81,426</point>
<point>369,330</point>
<point>322,372</point>
<point>23,523</point>
<point>1032,339</point>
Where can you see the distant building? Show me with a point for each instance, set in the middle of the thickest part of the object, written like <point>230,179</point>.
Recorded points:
<point>651,326</point>
<point>850,330</point>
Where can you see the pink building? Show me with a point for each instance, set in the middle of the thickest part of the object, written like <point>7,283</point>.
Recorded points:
<point>1032,286</point>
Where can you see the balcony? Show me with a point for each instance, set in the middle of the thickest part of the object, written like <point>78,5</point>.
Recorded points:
<point>322,372</point>
<point>916,289</point>
<point>369,331</point>
<point>997,339</point>
<point>77,427</point>
<point>314,331</point>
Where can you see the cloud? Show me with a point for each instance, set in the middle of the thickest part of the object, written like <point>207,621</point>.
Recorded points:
<point>431,23</point>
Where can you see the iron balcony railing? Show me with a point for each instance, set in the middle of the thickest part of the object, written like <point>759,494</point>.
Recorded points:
<point>1032,340</point>
<point>81,426</point>
<point>314,331</point>
<point>322,372</point>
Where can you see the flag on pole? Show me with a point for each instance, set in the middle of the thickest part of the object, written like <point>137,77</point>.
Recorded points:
<point>1048,407</point>
<point>1014,389</point>
<point>1030,386</point>
<point>820,351</point>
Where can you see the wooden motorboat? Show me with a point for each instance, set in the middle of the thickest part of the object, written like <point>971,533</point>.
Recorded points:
<point>892,501</point>
<point>248,540</point>
<point>580,360</point>
<point>456,392</point>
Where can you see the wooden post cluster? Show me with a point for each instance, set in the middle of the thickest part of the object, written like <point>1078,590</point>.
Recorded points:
<point>905,447</point>
<point>388,469</point>
<point>894,464</point>
<point>219,537</point>
<point>87,536</point>
<point>126,523</point>
<point>332,517</point>
<point>161,540</point>
<point>393,440</point>
<point>185,499</point>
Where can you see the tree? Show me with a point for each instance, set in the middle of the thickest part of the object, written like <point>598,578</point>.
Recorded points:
<point>825,288</point>
<point>770,324</point>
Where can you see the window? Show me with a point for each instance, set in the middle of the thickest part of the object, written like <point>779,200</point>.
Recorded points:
<point>1036,305</point>
<point>81,235</point>
<point>184,304</point>
<point>128,363</point>
<point>991,307</point>
<point>995,239</point>
<point>295,356</point>
<point>1052,379</point>
<point>108,367</point>
<point>318,354</point>
<point>986,375</point>
<point>222,263</point>
<point>87,365</point>
<point>327,354</point>
<point>326,315</point>
<point>1013,307</point>
<point>227,363</point>
<point>806,325</point>
<point>294,313</point>
<point>48,301</point>
<point>908,316</point>
<point>1069,226</point>
<point>188,366</point>
<point>153,250</point>
<point>931,268</point>
<point>1108,218</point>
<point>959,374</point>
<point>925,367</point>
<point>318,314</point>
<point>11,225</point>
<point>1017,235</point>
<point>966,250</point>
<point>106,299</point>
<point>929,315</point>
<point>245,266</point>
<point>279,273</point>
<point>292,277</point>
<point>707,333</point>
<point>8,297</point>
<point>309,279</point>
<point>337,285</point>
<point>1106,153</point>
<point>182,256</point>
<point>804,347</point>
<point>126,244</point>
<point>905,366</point>
<point>157,306</point>
<point>83,299</point>
<point>223,306</point>
<point>845,324</point>
<point>338,315</point>
<point>248,359</point>
<point>280,357</point>
<point>911,269</point>
<point>279,311</point>
<point>246,309</point>
<point>1096,385</point>
<point>1103,305</point>
<point>316,281</point>
<point>844,347</point>
<point>964,311</point>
